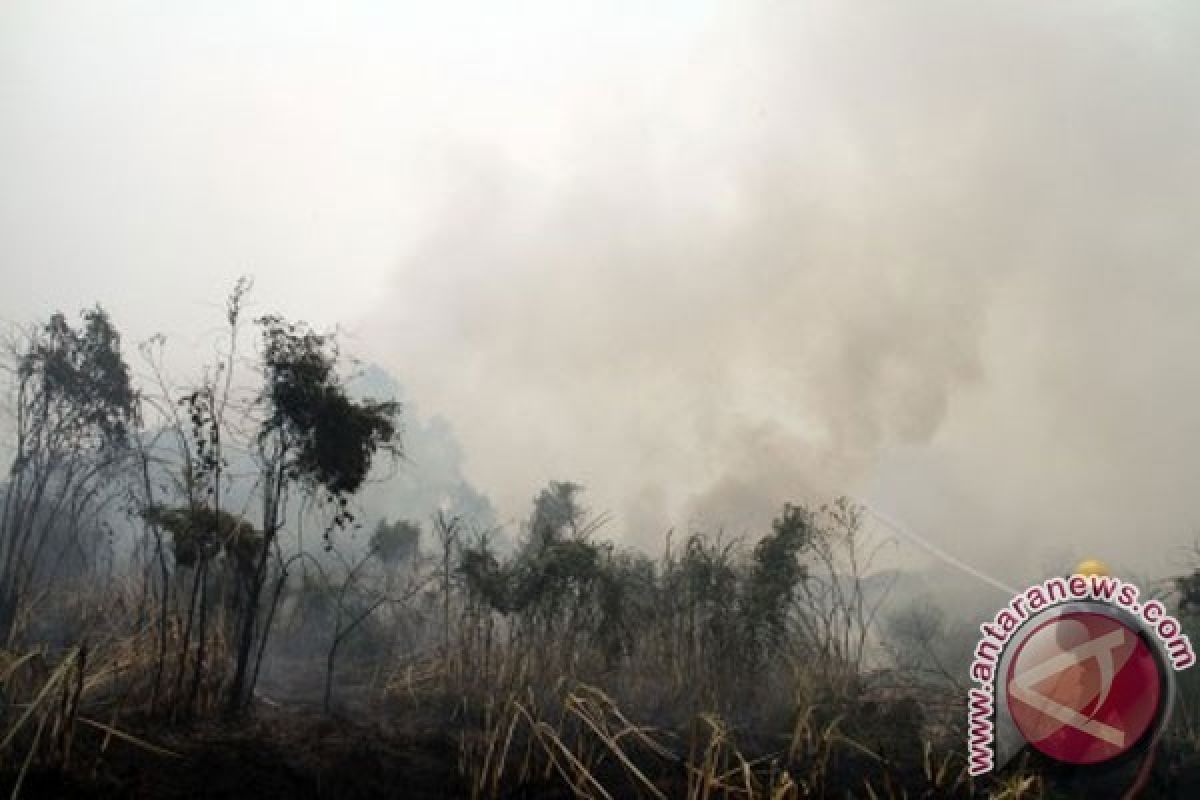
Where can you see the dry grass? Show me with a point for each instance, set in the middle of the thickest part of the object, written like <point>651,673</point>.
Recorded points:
<point>580,741</point>
<point>48,695</point>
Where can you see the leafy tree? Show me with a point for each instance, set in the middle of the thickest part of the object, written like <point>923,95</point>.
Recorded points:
<point>1188,588</point>
<point>313,438</point>
<point>327,440</point>
<point>202,533</point>
<point>775,573</point>
<point>707,580</point>
<point>74,407</point>
<point>486,578</point>
<point>625,600</point>
<point>556,513</point>
<point>396,543</point>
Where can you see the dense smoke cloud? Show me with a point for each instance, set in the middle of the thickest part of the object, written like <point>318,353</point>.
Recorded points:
<point>704,261</point>
<point>427,477</point>
<point>844,248</point>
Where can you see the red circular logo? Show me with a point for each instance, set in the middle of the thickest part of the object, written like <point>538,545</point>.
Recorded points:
<point>1084,688</point>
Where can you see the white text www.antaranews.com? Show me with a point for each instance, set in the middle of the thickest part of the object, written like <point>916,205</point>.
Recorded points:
<point>1055,591</point>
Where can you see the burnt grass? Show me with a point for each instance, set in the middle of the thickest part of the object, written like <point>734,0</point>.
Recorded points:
<point>294,755</point>
<point>297,754</point>
<point>287,748</point>
<point>371,747</point>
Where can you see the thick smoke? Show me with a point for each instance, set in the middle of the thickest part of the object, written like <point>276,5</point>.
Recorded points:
<point>936,254</point>
<point>427,478</point>
<point>941,256</point>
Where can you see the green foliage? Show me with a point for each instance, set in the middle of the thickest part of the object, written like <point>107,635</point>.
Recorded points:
<point>706,584</point>
<point>1188,587</point>
<point>556,512</point>
<point>776,570</point>
<point>485,578</point>
<point>73,410</point>
<point>396,543</point>
<point>708,571</point>
<point>203,470</point>
<point>545,576</point>
<point>738,606</point>
<point>84,380</point>
<point>204,532</point>
<point>548,568</point>
<point>332,439</point>
<point>625,599</point>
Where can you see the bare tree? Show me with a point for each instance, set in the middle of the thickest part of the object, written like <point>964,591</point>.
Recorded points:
<point>357,601</point>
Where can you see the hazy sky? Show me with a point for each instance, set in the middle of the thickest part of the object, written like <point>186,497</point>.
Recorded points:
<point>703,258</point>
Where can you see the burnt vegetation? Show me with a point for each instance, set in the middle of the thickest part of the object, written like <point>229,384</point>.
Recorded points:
<point>192,603</point>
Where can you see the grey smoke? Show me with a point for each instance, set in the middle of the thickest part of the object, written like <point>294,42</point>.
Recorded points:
<point>428,477</point>
<point>941,255</point>
<point>703,259</point>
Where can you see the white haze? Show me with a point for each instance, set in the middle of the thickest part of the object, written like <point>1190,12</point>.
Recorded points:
<point>702,259</point>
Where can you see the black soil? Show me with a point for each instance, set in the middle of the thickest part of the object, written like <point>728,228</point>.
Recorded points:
<point>278,755</point>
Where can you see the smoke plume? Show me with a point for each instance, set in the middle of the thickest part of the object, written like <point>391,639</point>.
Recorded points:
<point>842,248</point>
